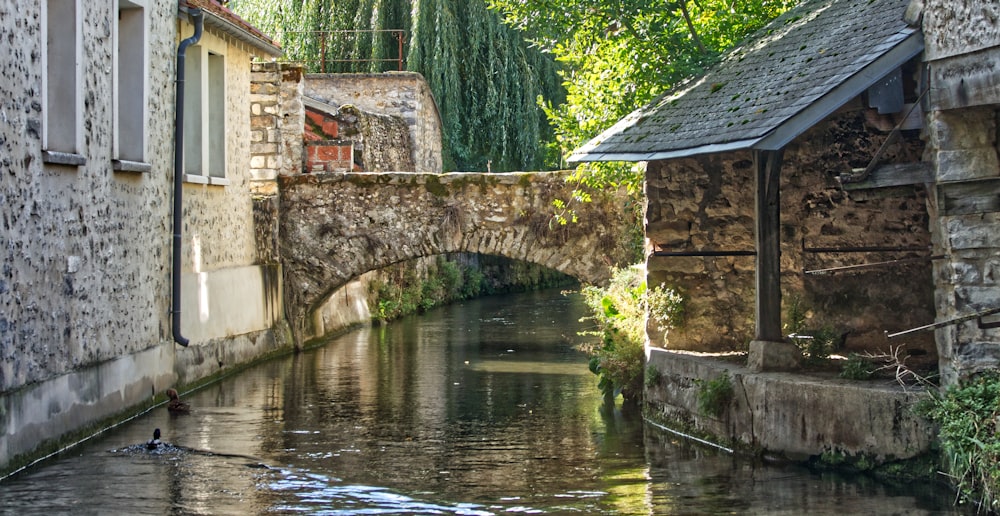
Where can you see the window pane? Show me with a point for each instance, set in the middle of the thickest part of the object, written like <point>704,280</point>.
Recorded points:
<point>217,115</point>
<point>61,75</point>
<point>193,119</point>
<point>131,84</point>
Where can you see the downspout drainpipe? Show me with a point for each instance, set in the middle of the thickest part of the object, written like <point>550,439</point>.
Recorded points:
<point>175,311</point>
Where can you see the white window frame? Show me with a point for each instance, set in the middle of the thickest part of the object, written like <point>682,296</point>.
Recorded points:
<point>62,83</point>
<point>131,86</point>
<point>205,157</point>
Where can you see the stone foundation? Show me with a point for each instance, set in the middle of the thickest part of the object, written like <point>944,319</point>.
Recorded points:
<point>797,416</point>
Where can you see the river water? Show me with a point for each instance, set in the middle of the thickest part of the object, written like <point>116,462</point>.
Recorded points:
<point>485,407</point>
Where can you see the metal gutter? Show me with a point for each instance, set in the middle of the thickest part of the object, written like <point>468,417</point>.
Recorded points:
<point>178,212</point>
<point>650,156</point>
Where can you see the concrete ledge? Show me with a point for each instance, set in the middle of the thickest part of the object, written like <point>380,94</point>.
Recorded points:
<point>794,415</point>
<point>773,356</point>
<point>45,412</point>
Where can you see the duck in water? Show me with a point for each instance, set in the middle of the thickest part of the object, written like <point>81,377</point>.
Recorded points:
<point>175,405</point>
<point>154,443</point>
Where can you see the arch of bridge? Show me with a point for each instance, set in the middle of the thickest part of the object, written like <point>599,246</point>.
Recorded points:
<point>336,226</point>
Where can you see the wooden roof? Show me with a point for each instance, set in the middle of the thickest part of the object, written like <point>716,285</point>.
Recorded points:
<point>781,81</point>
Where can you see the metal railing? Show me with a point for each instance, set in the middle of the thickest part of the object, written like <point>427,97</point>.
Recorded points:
<point>328,45</point>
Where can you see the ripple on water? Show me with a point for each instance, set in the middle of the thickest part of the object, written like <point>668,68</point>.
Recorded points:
<point>314,492</point>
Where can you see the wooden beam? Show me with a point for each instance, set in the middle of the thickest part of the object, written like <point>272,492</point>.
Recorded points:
<point>889,175</point>
<point>969,197</point>
<point>768,232</point>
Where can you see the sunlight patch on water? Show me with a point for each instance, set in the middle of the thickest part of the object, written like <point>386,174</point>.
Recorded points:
<point>317,492</point>
<point>525,366</point>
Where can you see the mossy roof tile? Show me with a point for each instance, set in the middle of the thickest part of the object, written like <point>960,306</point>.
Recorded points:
<point>781,80</point>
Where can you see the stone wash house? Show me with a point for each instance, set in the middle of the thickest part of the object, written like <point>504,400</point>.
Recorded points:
<point>842,162</point>
<point>820,111</point>
<point>91,323</point>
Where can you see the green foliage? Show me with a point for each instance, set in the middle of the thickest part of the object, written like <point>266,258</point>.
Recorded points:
<point>406,292</point>
<point>653,376</point>
<point>858,368</point>
<point>816,345</point>
<point>796,314</point>
<point>969,415</point>
<point>714,395</point>
<point>617,55</point>
<point>620,317</point>
<point>473,283</point>
<point>406,289</point>
<point>488,82</point>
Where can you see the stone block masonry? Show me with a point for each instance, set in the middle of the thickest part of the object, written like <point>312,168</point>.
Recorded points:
<point>962,51</point>
<point>336,227</point>
<point>277,116</point>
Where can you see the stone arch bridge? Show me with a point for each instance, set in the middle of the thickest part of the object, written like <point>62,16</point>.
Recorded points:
<point>336,226</point>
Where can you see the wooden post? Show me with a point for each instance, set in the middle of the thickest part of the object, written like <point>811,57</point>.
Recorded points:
<point>769,351</point>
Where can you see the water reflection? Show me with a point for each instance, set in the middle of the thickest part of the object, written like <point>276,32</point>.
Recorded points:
<point>480,408</point>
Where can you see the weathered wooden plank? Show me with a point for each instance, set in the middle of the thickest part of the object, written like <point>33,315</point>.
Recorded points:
<point>969,197</point>
<point>768,232</point>
<point>894,174</point>
<point>966,80</point>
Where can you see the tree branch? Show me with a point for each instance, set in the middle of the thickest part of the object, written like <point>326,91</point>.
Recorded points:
<point>694,33</point>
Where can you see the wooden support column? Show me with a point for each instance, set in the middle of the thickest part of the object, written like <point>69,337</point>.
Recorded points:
<point>769,351</point>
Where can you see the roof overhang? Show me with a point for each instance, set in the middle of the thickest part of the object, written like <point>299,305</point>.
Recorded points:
<point>901,52</point>
<point>214,21</point>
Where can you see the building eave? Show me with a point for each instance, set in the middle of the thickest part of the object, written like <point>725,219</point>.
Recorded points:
<point>902,50</point>
<point>214,21</point>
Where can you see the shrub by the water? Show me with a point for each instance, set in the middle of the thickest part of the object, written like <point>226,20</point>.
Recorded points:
<point>620,312</point>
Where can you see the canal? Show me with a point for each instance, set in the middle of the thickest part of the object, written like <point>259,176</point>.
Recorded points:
<point>484,407</point>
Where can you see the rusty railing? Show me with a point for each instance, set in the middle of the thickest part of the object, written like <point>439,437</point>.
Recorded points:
<point>333,43</point>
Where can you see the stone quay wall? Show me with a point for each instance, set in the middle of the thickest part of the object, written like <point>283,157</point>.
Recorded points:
<point>793,416</point>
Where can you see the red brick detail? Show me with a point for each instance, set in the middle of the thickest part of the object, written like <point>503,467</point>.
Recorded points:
<point>324,123</point>
<point>329,157</point>
<point>331,128</point>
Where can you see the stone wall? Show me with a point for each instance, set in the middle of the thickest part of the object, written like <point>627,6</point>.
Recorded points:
<point>85,285</point>
<point>962,56</point>
<point>276,119</point>
<point>404,95</point>
<point>707,204</point>
<point>85,249</point>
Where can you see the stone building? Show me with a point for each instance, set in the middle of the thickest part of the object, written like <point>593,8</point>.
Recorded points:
<point>788,179</point>
<point>87,131</point>
<point>856,138</point>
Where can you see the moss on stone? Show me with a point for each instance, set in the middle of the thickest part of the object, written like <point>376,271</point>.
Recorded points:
<point>435,187</point>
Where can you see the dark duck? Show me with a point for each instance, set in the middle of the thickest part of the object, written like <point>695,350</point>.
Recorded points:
<point>175,405</point>
<point>154,443</point>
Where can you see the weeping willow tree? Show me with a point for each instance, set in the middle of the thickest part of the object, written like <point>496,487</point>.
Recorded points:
<point>489,83</point>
